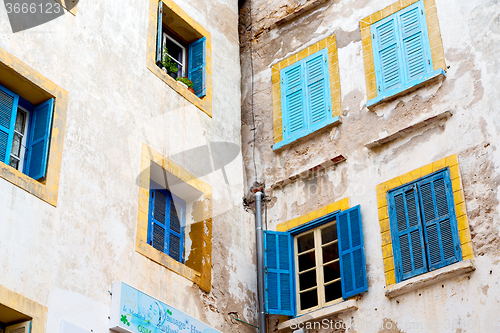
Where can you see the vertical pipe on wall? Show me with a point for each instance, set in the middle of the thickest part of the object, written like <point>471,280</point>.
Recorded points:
<point>260,261</point>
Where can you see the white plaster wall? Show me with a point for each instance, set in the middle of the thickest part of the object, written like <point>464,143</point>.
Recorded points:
<point>67,257</point>
<point>471,33</point>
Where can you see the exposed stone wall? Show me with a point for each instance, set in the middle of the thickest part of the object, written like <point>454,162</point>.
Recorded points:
<point>470,33</point>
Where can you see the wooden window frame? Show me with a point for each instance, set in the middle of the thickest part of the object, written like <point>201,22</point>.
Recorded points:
<point>320,290</point>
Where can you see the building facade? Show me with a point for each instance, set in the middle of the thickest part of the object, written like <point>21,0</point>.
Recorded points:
<point>113,171</point>
<point>372,127</point>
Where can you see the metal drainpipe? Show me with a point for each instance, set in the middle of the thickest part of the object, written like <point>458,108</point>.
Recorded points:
<point>260,262</point>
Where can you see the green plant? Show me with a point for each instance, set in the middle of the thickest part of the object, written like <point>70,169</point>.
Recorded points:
<point>186,81</point>
<point>168,63</point>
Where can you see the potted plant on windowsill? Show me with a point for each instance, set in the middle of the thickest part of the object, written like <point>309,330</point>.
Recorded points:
<point>169,65</point>
<point>186,82</point>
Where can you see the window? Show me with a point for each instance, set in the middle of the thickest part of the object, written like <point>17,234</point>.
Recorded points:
<point>167,222</point>
<point>401,53</point>
<point>306,92</point>
<point>12,321</point>
<point>25,133</point>
<point>309,267</point>
<point>174,225</point>
<point>181,48</point>
<point>305,96</point>
<point>423,225</point>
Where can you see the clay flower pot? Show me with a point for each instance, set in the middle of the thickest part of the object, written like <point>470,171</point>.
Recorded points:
<point>191,90</point>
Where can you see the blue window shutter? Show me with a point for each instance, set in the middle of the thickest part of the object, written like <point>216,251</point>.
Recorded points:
<point>318,92</point>
<point>440,227</point>
<point>197,66</point>
<point>293,100</point>
<point>351,252</point>
<point>407,234</point>
<point>278,259</point>
<point>415,43</point>
<point>39,140</point>
<point>159,33</point>
<point>8,114</point>
<point>387,54</point>
<point>176,215</point>
<point>157,215</point>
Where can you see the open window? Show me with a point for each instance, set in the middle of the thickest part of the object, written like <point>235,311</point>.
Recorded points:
<point>25,130</point>
<point>12,321</point>
<point>315,265</point>
<point>181,50</point>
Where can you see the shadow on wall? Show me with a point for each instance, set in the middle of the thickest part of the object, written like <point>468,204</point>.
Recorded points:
<point>25,15</point>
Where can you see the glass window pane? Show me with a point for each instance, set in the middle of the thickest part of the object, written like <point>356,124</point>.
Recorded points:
<point>305,242</point>
<point>309,299</point>
<point>333,291</point>
<point>307,260</point>
<point>20,121</point>
<point>331,271</point>
<point>307,280</point>
<point>330,252</point>
<point>14,163</point>
<point>329,234</point>
<point>16,145</point>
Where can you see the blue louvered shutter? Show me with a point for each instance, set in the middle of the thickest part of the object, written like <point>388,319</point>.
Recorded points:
<point>8,114</point>
<point>351,252</point>
<point>293,100</point>
<point>159,33</point>
<point>440,227</point>
<point>387,54</point>
<point>407,233</point>
<point>157,216</point>
<point>415,43</point>
<point>197,66</point>
<point>175,234</point>
<point>319,103</point>
<point>39,140</point>
<point>278,260</point>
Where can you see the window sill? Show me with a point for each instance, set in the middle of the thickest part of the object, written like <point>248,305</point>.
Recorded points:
<point>330,122</point>
<point>320,314</point>
<point>429,121</point>
<point>409,87</point>
<point>427,279</point>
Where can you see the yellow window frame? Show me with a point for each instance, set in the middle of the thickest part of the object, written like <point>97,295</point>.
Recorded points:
<point>333,69</point>
<point>204,103</point>
<point>21,304</point>
<point>198,267</point>
<point>436,43</point>
<point>20,78</point>
<point>460,210</point>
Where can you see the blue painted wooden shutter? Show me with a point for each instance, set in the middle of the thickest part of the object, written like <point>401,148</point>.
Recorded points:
<point>39,140</point>
<point>278,259</point>
<point>317,87</point>
<point>159,33</point>
<point>175,249</point>
<point>157,216</point>
<point>387,54</point>
<point>197,66</point>
<point>415,43</point>
<point>351,252</point>
<point>8,114</point>
<point>407,233</point>
<point>293,95</point>
<point>440,227</point>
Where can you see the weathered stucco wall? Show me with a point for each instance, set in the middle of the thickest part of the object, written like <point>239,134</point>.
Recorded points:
<point>67,257</point>
<point>471,35</point>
